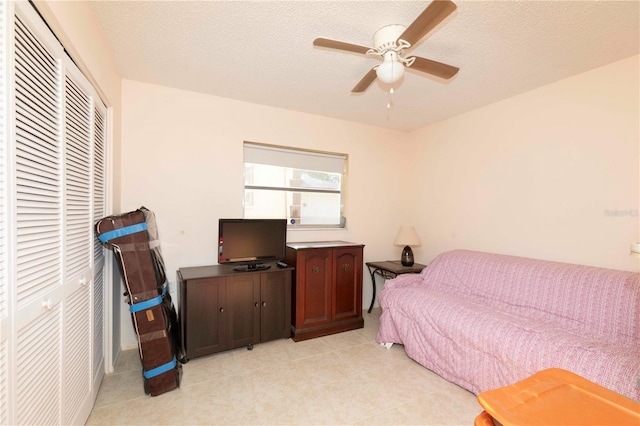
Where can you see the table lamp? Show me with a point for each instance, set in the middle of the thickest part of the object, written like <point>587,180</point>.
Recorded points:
<point>407,236</point>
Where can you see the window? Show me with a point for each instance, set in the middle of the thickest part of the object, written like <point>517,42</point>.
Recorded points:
<point>306,187</point>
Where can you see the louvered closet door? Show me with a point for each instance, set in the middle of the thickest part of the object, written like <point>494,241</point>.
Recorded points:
<point>5,328</point>
<point>55,190</point>
<point>38,225</point>
<point>99,207</point>
<point>78,245</point>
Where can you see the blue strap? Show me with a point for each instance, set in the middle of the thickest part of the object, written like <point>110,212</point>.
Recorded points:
<point>121,232</point>
<point>149,303</point>
<point>159,370</point>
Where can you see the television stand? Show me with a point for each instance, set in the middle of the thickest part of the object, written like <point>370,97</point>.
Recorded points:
<point>254,267</point>
<point>221,309</point>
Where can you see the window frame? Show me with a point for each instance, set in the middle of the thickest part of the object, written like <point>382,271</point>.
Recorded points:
<point>341,191</point>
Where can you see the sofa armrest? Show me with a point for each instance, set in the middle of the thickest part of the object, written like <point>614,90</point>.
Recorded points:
<point>404,280</point>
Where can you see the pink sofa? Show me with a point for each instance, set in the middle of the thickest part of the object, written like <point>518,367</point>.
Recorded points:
<point>484,320</point>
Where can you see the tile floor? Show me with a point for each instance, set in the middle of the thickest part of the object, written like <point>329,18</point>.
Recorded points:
<point>346,378</point>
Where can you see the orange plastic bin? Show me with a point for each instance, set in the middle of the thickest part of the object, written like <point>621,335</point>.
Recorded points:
<point>557,397</point>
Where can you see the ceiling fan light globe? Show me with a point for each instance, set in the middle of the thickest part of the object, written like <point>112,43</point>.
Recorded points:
<point>390,71</point>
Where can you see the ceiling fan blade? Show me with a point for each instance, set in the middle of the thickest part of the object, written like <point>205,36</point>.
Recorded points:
<point>434,68</point>
<point>435,13</point>
<point>366,81</point>
<point>340,45</point>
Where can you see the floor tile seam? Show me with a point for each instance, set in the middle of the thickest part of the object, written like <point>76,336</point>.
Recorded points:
<point>313,355</point>
<point>230,373</point>
<point>290,357</point>
<point>348,376</point>
<point>350,347</point>
<point>287,399</point>
<point>213,379</point>
<point>117,373</point>
<point>365,332</point>
<point>411,400</point>
<point>115,404</point>
<point>301,370</point>
<point>184,386</point>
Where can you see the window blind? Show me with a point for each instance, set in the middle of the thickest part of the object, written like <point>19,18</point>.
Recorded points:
<point>298,159</point>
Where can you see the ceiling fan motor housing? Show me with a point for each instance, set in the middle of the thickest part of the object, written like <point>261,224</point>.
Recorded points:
<point>391,43</point>
<point>385,38</point>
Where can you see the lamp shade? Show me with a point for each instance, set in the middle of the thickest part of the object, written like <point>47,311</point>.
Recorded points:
<point>407,236</point>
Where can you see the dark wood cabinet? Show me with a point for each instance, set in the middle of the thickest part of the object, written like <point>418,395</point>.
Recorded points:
<point>242,294</point>
<point>347,303</point>
<point>327,288</point>
<point>222,309</point>
<point>207,332</point>
<point>275,311</point>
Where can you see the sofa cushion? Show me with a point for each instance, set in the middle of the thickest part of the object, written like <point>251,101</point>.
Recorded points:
<point>600,303</point>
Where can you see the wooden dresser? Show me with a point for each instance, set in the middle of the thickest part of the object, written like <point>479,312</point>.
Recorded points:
<point>326,288</point>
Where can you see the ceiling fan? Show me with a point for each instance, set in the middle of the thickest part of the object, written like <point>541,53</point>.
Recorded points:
<point>390,43</point>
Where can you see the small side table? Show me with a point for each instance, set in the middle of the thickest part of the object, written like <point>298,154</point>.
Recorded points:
<point>389,269</point>
<point>556,397</point>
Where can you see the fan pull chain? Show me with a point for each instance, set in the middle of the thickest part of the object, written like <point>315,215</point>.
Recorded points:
<point>389,104</point>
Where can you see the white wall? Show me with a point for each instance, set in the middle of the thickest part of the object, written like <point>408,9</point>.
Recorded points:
<point>182,158</point>
<point>539,175</point>
<point>533,175</point>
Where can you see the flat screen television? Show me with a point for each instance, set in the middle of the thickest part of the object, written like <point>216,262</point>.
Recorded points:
<point>251,242</point>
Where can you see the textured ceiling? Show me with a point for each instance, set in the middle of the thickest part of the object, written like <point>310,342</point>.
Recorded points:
<point>262,51</point>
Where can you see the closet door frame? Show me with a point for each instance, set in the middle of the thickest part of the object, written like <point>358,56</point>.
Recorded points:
<point>54,335</point>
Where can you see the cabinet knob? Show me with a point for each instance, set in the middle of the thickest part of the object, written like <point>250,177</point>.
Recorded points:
<point>264,303</point>
<point>257,304</point>
<point>315,269</point>
<point>345,267</point>
<point>221,310</point>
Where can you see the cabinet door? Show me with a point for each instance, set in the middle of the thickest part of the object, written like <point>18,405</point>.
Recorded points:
<point>348,283</point>
<point>275,305</point>
<point>242,309</point>
<point>313,288</point>
<point>206,332</point>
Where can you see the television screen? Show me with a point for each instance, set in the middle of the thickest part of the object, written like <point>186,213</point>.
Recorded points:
<point>251,241</point>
